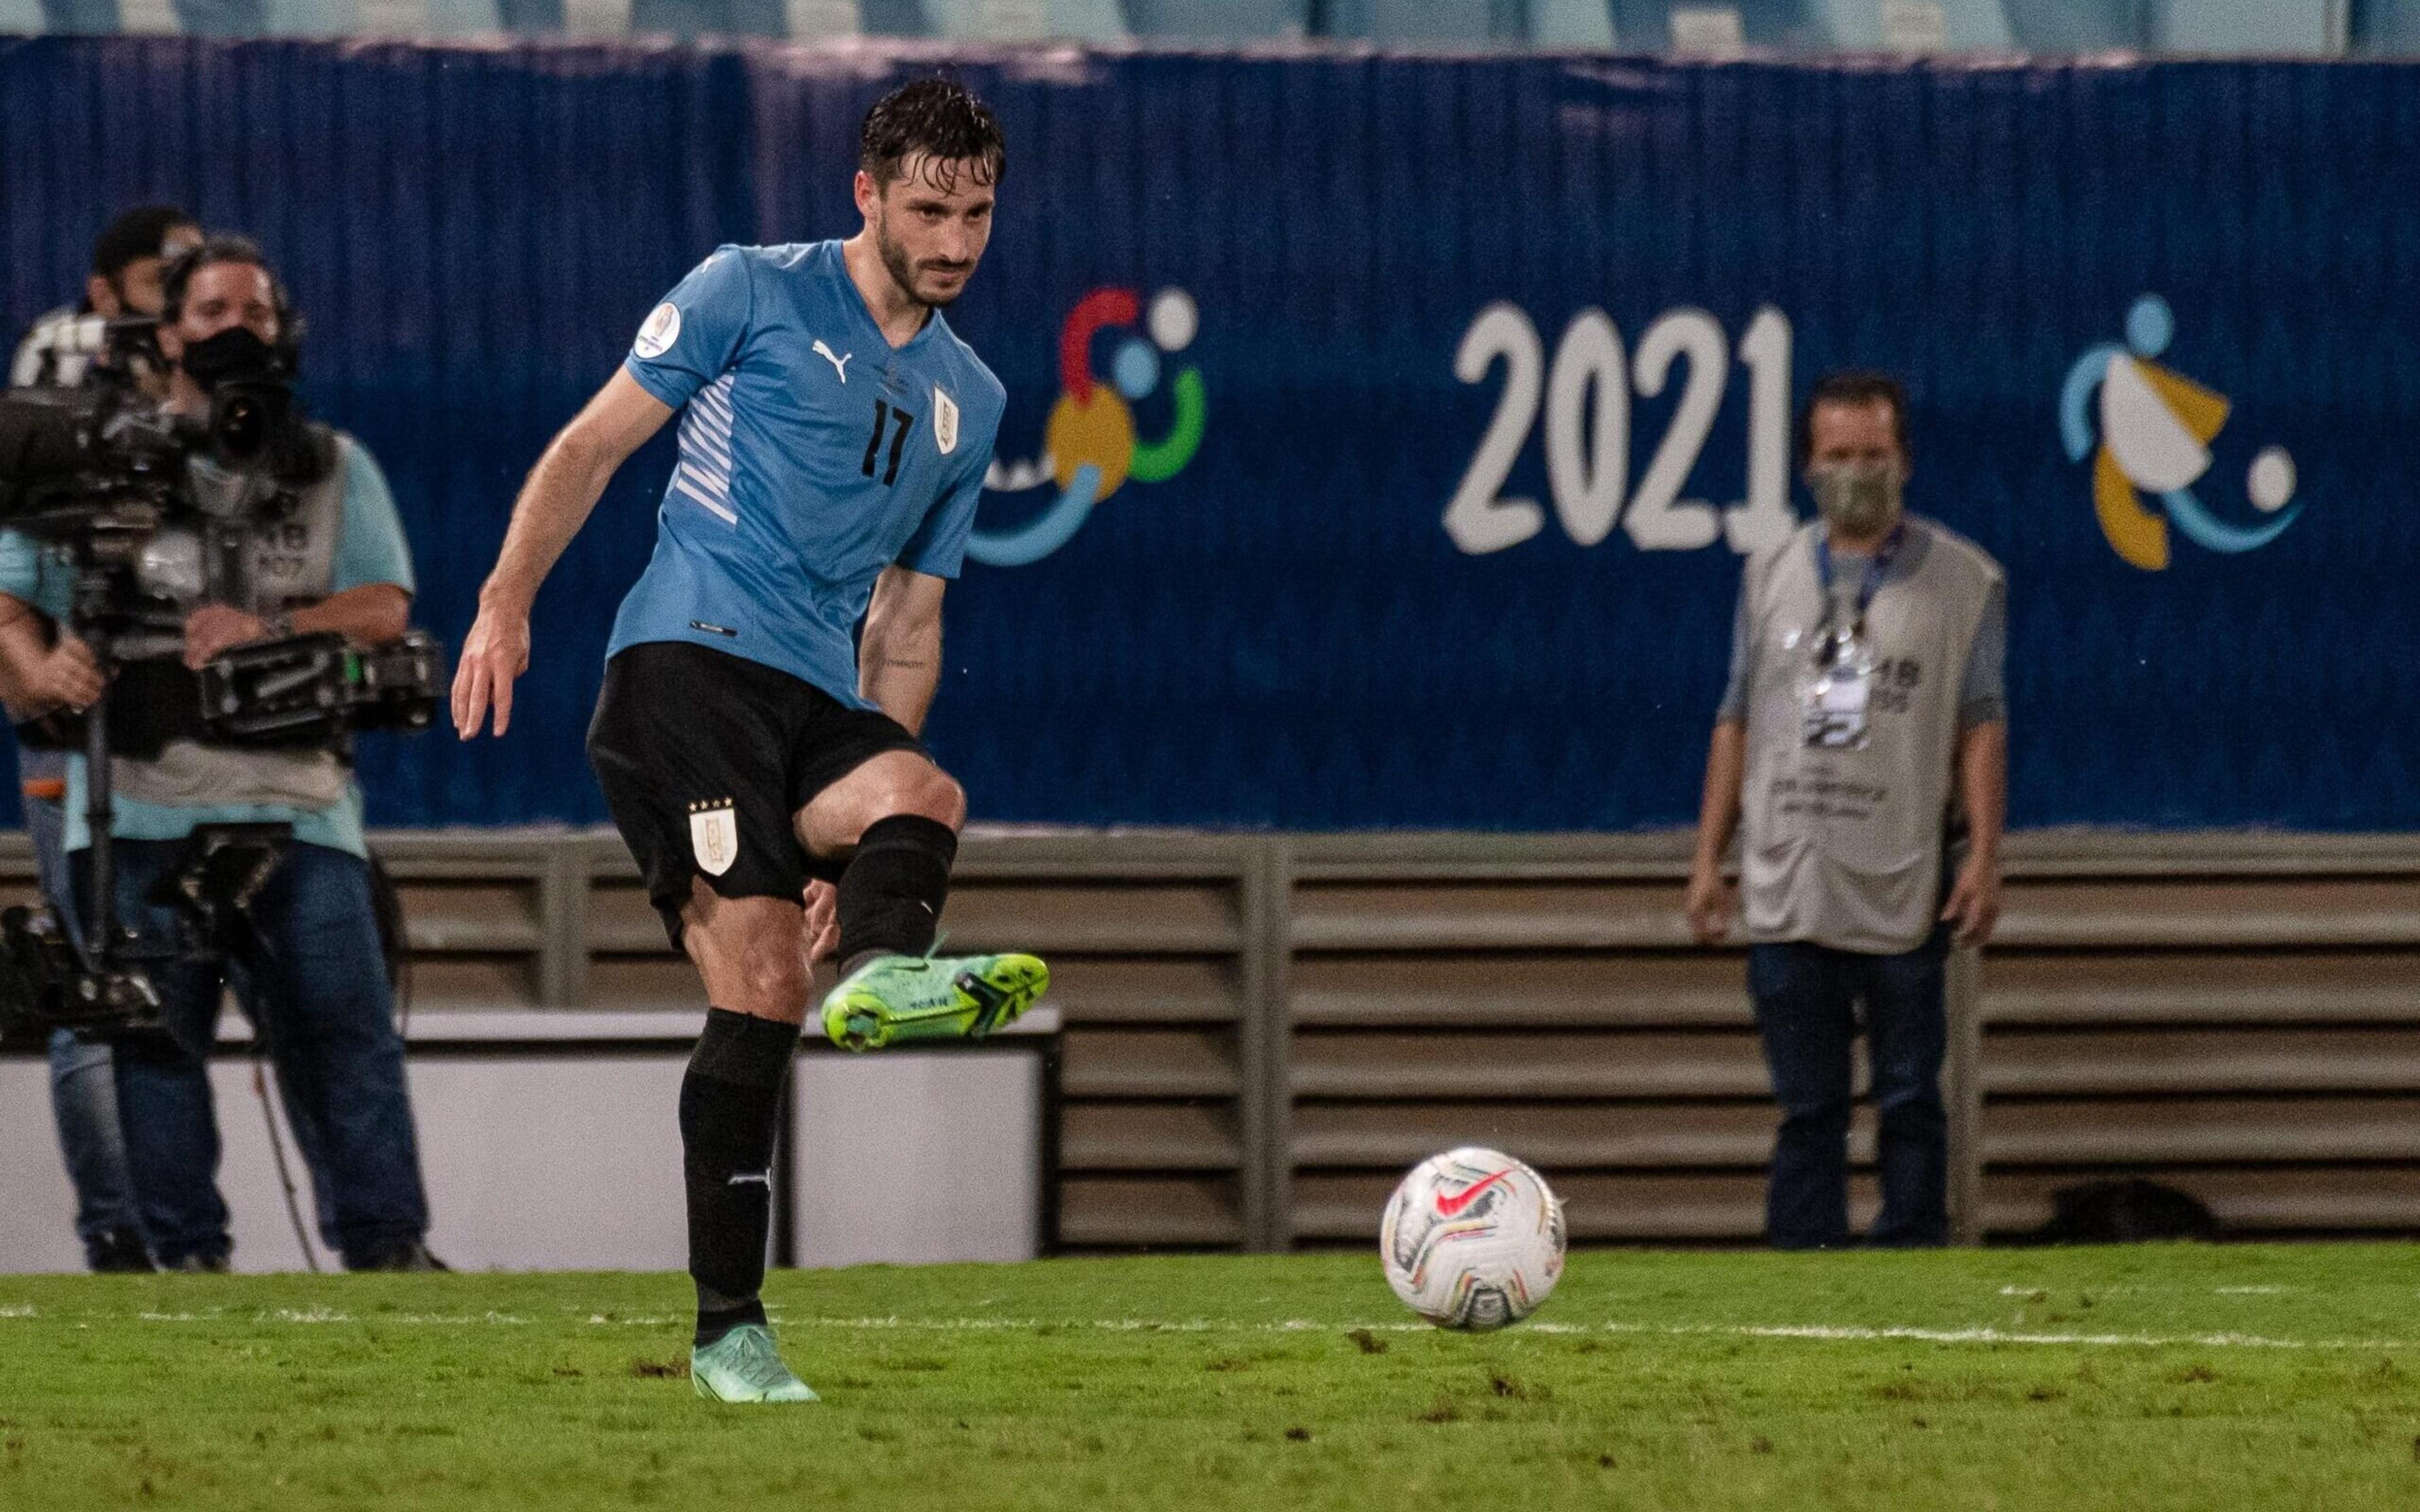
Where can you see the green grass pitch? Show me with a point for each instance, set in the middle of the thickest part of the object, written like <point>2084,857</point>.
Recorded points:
<point>2252,1377</point>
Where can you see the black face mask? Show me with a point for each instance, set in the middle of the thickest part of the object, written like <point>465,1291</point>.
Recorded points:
<point>233,354</point>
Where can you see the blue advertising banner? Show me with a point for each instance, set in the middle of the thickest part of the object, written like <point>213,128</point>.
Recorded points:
<point>1384,432</point>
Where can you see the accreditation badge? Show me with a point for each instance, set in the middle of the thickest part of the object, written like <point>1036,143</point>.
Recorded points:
<point>1837,693</point>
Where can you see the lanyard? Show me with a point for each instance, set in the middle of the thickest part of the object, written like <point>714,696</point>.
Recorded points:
<point>1877,567</point>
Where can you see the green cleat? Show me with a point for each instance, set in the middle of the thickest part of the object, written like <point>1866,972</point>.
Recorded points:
<point>743,1365</point>
<point>895,997</point>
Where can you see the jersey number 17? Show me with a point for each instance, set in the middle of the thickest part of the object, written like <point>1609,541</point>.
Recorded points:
<point>884,415</point>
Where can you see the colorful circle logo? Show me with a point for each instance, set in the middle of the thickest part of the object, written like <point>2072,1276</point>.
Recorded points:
<point>1092,449</point>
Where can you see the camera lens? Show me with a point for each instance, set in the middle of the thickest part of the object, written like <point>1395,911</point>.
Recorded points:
<point>239,426</point>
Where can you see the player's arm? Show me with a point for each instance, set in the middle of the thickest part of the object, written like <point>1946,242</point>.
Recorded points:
<point>565,485</point>
<point>899,657</point>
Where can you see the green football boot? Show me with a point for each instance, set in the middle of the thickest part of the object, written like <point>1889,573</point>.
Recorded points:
<point>895,997</point>
<point>744,1366</point>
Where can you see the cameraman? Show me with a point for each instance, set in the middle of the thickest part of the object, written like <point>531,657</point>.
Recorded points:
<point>336,563</point>
<point>128,258</point>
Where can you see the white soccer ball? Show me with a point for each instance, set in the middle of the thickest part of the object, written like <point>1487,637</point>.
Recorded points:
<point>1472,1239</point>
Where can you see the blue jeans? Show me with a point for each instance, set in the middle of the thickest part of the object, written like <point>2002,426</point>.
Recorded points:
<point>1806,999</point>
<point>84,1100</point>
<point>319,1001</point>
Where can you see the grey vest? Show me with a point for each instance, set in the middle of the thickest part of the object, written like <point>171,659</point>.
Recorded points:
<point>293,565</point>
<point>1844,848</point>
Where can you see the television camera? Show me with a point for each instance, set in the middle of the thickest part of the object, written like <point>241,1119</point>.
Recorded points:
<point>151,512</point>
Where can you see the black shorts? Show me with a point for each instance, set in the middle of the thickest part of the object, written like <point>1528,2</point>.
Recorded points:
<point>704,757</point>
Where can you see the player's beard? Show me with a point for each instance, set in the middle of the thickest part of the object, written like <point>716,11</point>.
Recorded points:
<point>903,270</point>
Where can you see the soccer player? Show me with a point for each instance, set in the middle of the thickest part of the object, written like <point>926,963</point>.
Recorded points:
<point>765,772</point>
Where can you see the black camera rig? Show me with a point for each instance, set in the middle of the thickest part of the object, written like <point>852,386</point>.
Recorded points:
<point>153,512</point>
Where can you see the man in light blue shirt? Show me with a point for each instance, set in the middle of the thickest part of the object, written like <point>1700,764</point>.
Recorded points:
<point>759,754</point>
<point>335,562</point>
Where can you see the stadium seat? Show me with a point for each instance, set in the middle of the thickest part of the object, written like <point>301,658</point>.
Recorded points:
<point>1216,21</point>
<point>1086,20</point>
<point>1647,24</point>
<point>2263,28</point>
<point>2080,25</point>
<point>1571,24</point>
<point>2386,28</point>
<point>222,18</point>
<point>811,20</point>
<point>1020,20</point>
<point>961,18</point>
<point>462,17</point>
<point>1857,25</point>
<point>1430,22</point>
<point>2266,28</point>
<point>687,19</point>
<point>894,17</point>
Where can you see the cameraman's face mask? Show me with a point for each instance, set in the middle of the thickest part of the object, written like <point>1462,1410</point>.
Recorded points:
<point>254,438</point>
<point>235,353</point>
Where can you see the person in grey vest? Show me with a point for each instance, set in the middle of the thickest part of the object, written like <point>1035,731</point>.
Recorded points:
<point>62,350</point>
<point>308,944</point>
<point>1864,712</point>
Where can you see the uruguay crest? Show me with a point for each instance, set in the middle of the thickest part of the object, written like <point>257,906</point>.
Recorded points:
<point>945,420</point>
<point>714,835</point>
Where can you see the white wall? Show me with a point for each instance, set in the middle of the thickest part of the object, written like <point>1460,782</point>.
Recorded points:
<point>570,1160</point>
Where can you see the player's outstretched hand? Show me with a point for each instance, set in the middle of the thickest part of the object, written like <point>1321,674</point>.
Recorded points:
<point>496,650</point>
<point>823,923</point>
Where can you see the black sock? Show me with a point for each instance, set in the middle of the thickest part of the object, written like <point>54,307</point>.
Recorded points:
<point>892,894</point>
<point>730,1104</point>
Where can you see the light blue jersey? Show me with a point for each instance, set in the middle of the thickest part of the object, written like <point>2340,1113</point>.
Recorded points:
<point>812,457</point>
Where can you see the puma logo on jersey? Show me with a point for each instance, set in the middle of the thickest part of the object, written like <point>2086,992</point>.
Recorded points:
<point>840,364</point>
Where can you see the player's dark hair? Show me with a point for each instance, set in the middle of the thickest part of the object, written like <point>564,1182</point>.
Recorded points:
<point>133,235</point>
<point>1857,388</point>
<point>240,251</point>
<point>941,118</point>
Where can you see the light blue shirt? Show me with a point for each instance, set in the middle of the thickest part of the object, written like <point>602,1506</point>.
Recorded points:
<point>812,456</point>
<point>370,548</point>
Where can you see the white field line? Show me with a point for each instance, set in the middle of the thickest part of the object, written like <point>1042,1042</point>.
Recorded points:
<point>1760,1331</point>
<point>1820,1332</point>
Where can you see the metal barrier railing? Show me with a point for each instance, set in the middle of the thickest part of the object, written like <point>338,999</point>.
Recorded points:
<point>1261,1030</point>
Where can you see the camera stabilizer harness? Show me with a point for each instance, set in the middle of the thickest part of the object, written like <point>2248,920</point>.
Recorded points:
<point>153,512</point>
